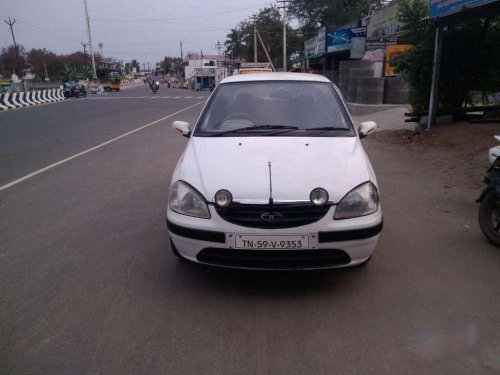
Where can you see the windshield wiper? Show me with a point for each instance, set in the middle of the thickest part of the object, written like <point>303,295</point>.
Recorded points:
<point>336,128</point>
<point>257,127</point>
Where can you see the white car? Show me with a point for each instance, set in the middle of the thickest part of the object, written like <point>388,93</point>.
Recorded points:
<point>274,177</point>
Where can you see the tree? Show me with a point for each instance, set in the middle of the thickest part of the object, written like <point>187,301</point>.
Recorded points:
<point>234,44</point>
<point>135,64</point>
<point>8,60</point>
<point>469,61</point>
<point>313,14</point>
<point>240,41</point>
<point>168,64</point>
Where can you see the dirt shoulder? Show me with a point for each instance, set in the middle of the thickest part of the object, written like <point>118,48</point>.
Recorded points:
<point>454,153</point>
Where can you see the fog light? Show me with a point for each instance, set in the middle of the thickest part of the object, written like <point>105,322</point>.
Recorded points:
<point>319,197</point>
<point>223,198</point>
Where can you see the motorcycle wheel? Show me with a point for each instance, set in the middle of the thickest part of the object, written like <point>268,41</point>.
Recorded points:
<point>489,217</point>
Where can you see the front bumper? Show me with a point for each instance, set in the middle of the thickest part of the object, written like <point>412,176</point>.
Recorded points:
<point>337,243</point>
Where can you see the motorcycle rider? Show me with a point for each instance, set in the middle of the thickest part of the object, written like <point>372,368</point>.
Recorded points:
<point>154,86</point>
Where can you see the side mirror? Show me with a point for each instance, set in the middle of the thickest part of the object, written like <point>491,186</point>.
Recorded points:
<point>366,128</point>
<point>182,127</point>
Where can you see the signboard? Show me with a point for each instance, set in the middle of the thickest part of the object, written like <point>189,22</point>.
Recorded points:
<point>384,21</point>
<point>439,8</point>
<point>380,43</point>
<point>338,40</point>
<point>315,47</point>
<point>390,52</point>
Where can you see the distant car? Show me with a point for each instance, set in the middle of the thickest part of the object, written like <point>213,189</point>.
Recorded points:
<point>274,177</point>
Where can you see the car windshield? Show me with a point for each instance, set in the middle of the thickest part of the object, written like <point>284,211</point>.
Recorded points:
<point>290,108</point>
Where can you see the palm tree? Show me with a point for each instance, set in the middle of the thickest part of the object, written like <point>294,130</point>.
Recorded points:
<point>233,43</point>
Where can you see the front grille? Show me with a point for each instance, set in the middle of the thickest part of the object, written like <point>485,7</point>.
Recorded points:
<point>291,214</point>
<point>274,259</point>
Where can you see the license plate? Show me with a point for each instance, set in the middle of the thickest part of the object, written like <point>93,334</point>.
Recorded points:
<point>271,242</point>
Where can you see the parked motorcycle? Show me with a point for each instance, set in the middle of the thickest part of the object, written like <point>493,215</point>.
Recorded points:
<point>489,208</point>
<point>155,86</point>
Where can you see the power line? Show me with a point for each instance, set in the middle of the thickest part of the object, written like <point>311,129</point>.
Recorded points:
<point>184,17</point>
<point>38,28</point>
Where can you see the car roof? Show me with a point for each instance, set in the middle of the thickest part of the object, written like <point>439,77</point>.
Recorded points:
<point>252,77</point>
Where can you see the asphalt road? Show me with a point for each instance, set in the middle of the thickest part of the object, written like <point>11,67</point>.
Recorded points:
<point>88,283</point>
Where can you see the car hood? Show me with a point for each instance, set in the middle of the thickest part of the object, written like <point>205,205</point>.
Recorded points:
<point>240,165</point>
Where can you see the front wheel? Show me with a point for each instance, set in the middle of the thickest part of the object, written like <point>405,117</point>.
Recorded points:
<point>489,217</point>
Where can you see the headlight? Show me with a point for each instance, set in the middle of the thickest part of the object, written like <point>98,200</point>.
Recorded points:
<point>223,198</point>
<point>185,200</point>
<point>319,197</point>
<point>361,201</point>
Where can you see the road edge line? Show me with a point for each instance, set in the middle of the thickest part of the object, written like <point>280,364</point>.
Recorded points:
<point>28,176</point>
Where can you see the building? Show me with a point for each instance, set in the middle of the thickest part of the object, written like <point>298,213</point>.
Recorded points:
<point>200,69</point>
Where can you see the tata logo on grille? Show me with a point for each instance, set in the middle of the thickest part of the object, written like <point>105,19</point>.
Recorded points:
<point>271,216</point>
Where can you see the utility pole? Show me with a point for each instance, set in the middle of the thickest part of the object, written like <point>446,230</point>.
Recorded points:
<point>11,24</point>
<point>237,46</point>
<point>218,46</point>
<point>182,55</point>
<point>84,45</point>
<point>87,21</point>
<point>283,6</point>
<point>436,69</point>
<point>255,39</point>
<point>46,73</point>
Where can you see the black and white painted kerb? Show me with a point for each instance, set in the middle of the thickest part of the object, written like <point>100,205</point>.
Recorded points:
<point>30,98</point>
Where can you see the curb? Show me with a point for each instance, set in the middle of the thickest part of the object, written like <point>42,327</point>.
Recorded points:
<point>30,98</point>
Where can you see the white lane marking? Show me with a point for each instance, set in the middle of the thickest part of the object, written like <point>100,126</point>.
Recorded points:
<point>10,184</point>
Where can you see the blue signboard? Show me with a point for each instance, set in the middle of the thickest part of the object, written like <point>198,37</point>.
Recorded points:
<point>340,39</point>
<point>439,8</point>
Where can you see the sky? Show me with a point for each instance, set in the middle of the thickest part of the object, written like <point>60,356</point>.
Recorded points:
<point>145,30</point>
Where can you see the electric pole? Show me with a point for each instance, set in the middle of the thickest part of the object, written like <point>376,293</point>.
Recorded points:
<point>11,24</point>
<point>283,6</point>
<point>46,73</point>
<point>182,55</point>
<point>84,45</point>
<point>87,21</point>
<point>218,46</point>
<point>255,39</point>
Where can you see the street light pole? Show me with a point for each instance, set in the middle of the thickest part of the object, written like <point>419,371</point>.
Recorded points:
<point>87,21</point>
